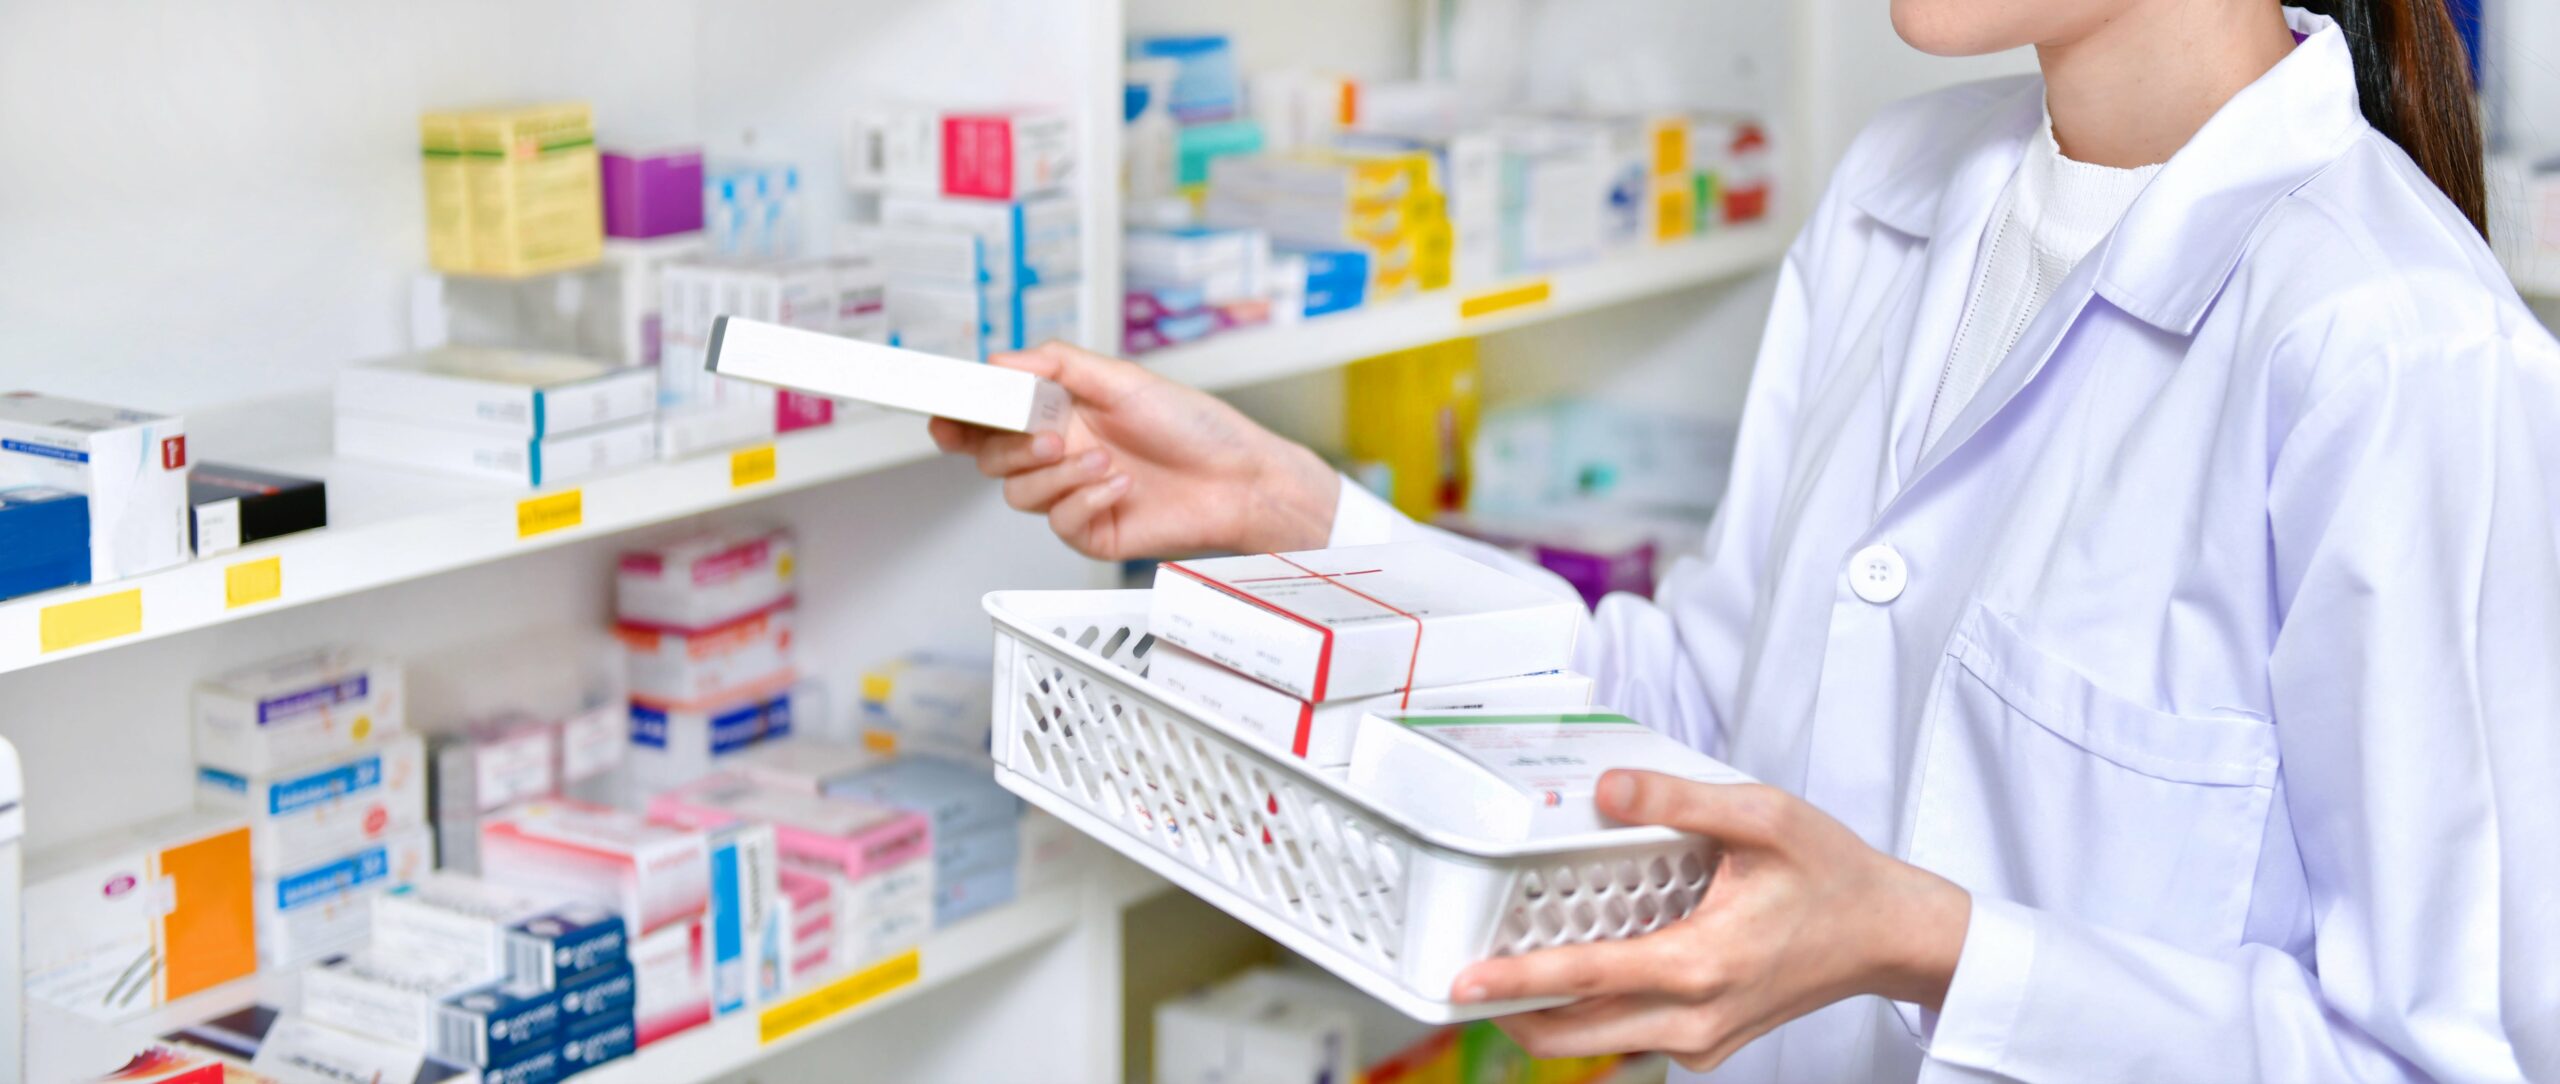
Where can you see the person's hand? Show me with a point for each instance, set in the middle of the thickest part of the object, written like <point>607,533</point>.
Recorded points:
<point>1147,467</point>
<point>1801,913</point>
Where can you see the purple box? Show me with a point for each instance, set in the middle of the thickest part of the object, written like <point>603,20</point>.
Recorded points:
<point>652,193</point>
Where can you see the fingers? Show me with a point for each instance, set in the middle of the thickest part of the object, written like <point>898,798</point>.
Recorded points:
<point>1003,455</point>
<point>956,438</point>
<point>1073,516</point>
<point>1037,489</point>
<point>1620,1024</point>
<point>1088,376</point>
<point>1744,814</point>
<point>1597,969</point>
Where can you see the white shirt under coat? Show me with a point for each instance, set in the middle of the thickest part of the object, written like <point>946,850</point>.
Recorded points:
<point>2215,644</point>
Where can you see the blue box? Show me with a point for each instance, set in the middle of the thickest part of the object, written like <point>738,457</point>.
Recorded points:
<point>957,797</point>
<point>1206,86</point>
<point>556,949</point>
<point>576,1052</point>
<point>976,851</point>
<point>506,1023</point>
<point>958,898</point>
<point>44,539</point>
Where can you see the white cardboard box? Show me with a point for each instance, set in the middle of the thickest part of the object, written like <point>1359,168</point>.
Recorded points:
<point>307,706</point>
<point>382,994</point>
<point>122,922</point>
<point>745,657</point>
<point>672,968</point>
<point>131,464</point>
<point>455,924</point>
<point>1247,1029</point>
<point>518,393</point>
<point>655,875</point>
<point>498,456</point>
<point>325,908</point>
<point>324,808</point>
<point>704,576</point>
<point>887,376</point>
<point>1321,734</point>
<point>1328,625</point>
<point>1512,776</point>
<point>1030,242</point>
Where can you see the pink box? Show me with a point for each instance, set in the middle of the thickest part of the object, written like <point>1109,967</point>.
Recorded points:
<point>846,837</point>
<point>652,193</point>
<point>658,876</point>
<point>671,976</point>
<point>1006,154</point>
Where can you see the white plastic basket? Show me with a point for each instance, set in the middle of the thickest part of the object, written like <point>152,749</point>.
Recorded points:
<point>1394,908</point>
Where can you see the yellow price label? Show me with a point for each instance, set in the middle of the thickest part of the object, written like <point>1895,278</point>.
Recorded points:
<point>68,625</point>
<point>252,582</point>
<point>748,466</point>
<point>1486,304</point>
<point>840,996</point>
<point>541,515</point>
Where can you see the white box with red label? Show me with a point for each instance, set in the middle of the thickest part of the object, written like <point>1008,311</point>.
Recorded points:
<point>657,876</point>
<point>131,464</point>
<point>703,577</point>
<point>1006,154</point>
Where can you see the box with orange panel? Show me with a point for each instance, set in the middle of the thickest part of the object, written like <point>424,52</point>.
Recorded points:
<point>123,922</point>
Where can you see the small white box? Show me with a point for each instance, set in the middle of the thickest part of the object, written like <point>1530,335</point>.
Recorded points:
<point>894,148</point>
<point>748,656</point>
<point>131,464</point>
<point>123,922</point>
<point>494,763</point>
<point>657,876</point>
<point>308,706</point>
<point>1328,625</point>
<point>382,994</point>
<point>887,376</point>
<point>673,744</point>
<point>516,393</point>
<point>327,808</point>
<point>1032,242</point>
<point>300,1050</point>
<point>1321,734</point>
<point>326,908</point>
<point>672,969</point>
<point>498,456</point>
<point>1248,1029</point>
<point>802,765</point>
<point>1512,776</point>
<point>455,924</point>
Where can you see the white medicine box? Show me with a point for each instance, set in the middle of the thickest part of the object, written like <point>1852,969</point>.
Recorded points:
<point>1512,776</point>
<point>307,706</point>
<point>1251,1028</point>
<point>698,578</point>
<point>131,464</point>
<point>326,808</point>
<point>518,393</point>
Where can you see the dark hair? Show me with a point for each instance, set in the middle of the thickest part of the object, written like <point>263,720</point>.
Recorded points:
<point>2414,79</point>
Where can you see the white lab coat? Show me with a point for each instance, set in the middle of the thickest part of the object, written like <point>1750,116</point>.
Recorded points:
<point>2216,647</point>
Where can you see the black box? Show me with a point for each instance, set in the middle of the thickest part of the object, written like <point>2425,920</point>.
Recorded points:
<point>235,506</point>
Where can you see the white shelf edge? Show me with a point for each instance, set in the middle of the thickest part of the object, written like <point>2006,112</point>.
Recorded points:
<point>1242,358</point>
<point>335,561</point>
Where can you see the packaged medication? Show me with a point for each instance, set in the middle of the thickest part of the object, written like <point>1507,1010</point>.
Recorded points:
<point>652,193</point>
<point>1023,242</point>
<point>887,376</point>
<point>504,1023</point>
<point>802,764</point>
<point>951,320</point>
<point>673,744</point>
<point>878,859</point>
<point>704,576</point>
<point>308,706</point>
<point>575,1054</point>
<point>384,995</point>
<point>747,656</point>
<point>299,1050</point>
<point>894,148</point>
<point>1006,154</point>
<point>954,796</point>
<point>512,191</point>
<point>325,808</point>
<point>495,456</point>
<point>805,923</point>
<point>514,392</point>
<point>44,539</point>
<point>313,911</point>
<point>127,921</point>
<point>744,890</point>
<point>929,700</point>
<point>554,949</point>
<point>130,464</point>
<point>1206,84</point>
<point>1249,1029</point>
<point>657,876</point>
<point>1321,733</point>
<point>1512,776</point>
<point>460,924</point>
<point>57,1046</point>
<point>1328,625</point>
<point>1222,264</point>
<point>235,506</point>
<point>672,968</point>
<point>492,764</point>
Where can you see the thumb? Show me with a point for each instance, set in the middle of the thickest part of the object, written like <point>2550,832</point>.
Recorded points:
<point>1090,377</point>
<point>1737,814</point>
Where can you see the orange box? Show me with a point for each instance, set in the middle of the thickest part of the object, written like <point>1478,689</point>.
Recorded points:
<point>120,923</point>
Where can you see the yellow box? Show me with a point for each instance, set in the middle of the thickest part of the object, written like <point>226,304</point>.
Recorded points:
<point>512,191</point>
<point>1415,411</point>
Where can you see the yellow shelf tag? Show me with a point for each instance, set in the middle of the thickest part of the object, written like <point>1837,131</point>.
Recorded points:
<point>748,466</point>
<point>252,581</point>
<point>559,511</point>
<point>1486,304</point>
<point>840,996</point>
<point>70,624</point>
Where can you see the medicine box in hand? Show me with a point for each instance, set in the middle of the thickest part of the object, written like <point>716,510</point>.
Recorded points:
<point>1511,776</point>
<point>304,707</point>
<point>907,380</point>
<point>517,393</point>
<point>1328,625</point>
<point>1321,734</point>
<point>130,464</point>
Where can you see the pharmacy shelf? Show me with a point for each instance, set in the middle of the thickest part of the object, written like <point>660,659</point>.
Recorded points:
<point>725,1046</point>
<point>388,525</point>
<point>1243,358</point>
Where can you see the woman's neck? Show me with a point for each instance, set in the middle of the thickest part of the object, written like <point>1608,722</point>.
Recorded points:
<point>2135,88</point>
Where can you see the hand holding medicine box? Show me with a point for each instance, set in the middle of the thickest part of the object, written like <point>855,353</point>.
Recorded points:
<point>304,707</point>
<point>1321,734</point>
<point>130,464</point>
<point>1329,625</point>
<point>886,376</point>
<point>1512,776</point>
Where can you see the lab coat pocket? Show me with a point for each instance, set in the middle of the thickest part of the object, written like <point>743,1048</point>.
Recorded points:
<point>2040,787</point>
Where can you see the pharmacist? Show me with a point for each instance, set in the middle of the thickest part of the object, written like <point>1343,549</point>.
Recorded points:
<point>2138,585</point>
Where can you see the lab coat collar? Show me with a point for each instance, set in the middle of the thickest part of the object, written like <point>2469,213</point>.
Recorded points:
<point>2168,258</point>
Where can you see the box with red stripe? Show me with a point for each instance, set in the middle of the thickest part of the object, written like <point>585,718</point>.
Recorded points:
<point>1320,734</point>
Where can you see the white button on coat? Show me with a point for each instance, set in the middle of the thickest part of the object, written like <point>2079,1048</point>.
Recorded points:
<point>2265,492</point>
<point>1877,575</point>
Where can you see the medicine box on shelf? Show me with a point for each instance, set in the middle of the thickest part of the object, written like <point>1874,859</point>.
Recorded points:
<point>130,464</point>
<point>236,505</point>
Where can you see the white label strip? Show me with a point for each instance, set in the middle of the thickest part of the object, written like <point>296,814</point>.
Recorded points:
<point>909,380</point>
